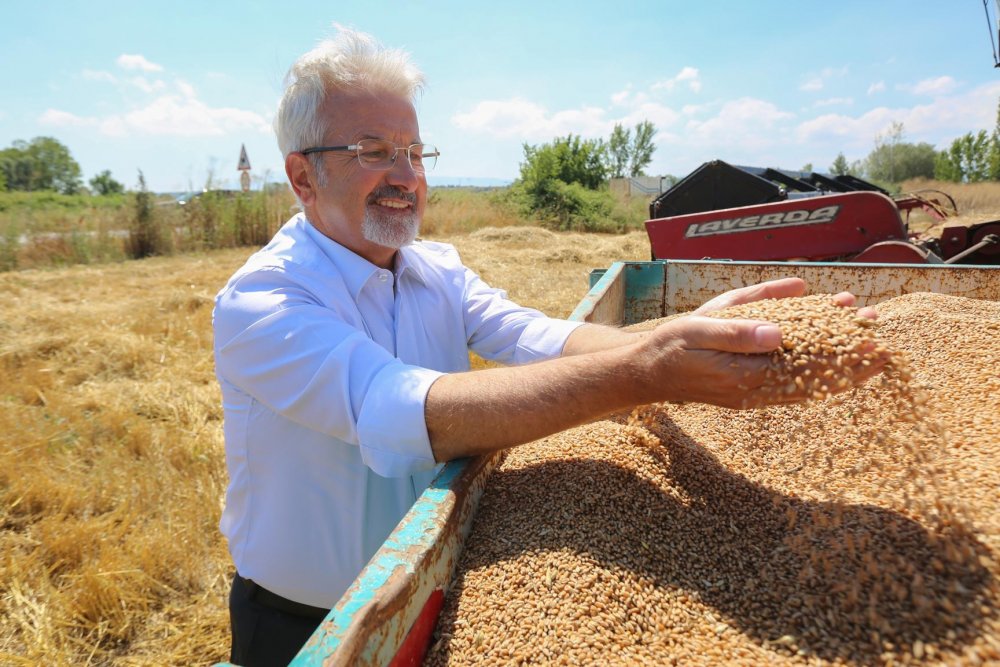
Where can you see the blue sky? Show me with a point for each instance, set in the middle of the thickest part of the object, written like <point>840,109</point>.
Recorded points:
<point>175,88</point>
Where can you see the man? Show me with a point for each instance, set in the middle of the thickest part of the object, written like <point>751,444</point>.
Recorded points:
<point>342,353</point>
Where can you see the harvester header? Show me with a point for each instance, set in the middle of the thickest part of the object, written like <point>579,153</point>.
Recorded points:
<point>722,211</point>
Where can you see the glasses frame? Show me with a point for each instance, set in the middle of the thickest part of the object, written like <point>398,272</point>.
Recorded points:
<point>356,149</point>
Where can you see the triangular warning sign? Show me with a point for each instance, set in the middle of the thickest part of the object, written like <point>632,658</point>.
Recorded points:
<point>244,160</point>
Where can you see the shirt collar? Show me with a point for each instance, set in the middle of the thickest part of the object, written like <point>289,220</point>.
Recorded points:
<point>408,265</point>
<point>355,269</point>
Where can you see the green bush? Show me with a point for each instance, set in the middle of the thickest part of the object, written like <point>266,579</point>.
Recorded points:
<point>10,243</point>
<point>573,207</point>
<point>146,236</point>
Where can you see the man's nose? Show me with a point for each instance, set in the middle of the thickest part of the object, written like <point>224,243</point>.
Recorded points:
<point>402,173</point>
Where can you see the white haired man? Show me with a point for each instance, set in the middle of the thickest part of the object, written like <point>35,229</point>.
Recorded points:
<point>342,353</point>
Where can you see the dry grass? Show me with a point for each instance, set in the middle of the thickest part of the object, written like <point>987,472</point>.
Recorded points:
<point>111,454</point>
<point>976,202</point>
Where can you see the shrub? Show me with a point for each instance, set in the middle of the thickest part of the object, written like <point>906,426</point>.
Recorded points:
<point>146,237</point>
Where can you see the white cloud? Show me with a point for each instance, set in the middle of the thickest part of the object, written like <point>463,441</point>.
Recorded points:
<point>504,118</point>
<point>57,118</point>
<point>817,81</point>
<point>746,121</point>
<point>877,87</point>
<point>526,120</point>
<point>179,115</point>
<point>939,121</point>
<point>132,61</point>
<point>96,75</point>
<point>621,97</point>
<point>941,85</point>
<point>187,90</point>
<point>659,115</point>
<point>834,101</point>
<point>813,84</point>
<point>626,97</point>
<point>688,75</point>
<point>146,86</point>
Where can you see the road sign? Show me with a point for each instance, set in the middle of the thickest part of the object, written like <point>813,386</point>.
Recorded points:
<point>244,160</point>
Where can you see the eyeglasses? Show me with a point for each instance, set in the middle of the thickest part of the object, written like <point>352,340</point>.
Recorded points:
<point>380,155</point>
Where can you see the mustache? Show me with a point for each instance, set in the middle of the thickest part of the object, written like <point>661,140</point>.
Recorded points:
<point>391,192</point>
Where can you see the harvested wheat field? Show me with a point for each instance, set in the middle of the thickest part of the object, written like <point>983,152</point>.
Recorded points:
<point>111,455</point>
<point>861,529</point>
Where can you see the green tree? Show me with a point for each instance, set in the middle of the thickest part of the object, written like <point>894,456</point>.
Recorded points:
<point>41,164</point>
<point>642,148</point>
<point>894,160</point>
<point>948,164</point>
<point>881,162</point>
<point>970,158</point>
<point>570,160</point>
<point>618,151</point>
<point>840,167</point>
<point>104,184</point>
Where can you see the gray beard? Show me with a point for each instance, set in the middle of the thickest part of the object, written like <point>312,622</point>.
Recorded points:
<point>395,232</point>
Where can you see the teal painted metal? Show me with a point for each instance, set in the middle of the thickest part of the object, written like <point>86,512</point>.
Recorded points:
<point>583,310</point>
<point>417,532</point>
<point>644,291</point>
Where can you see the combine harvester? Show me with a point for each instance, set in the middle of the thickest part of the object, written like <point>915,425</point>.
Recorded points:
<point>721,227</point>
<point>720,211</point>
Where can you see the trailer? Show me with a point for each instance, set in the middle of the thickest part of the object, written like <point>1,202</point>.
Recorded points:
<point>388,615</point>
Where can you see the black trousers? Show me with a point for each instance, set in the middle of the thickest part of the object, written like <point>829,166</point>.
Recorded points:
<point>267,630</point>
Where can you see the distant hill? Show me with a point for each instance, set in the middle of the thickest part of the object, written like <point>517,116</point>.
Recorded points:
<point>456,181</point>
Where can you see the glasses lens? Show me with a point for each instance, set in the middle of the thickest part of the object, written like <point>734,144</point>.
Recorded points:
<point>380,155</point>
<point>423,157</point>
<point>376,154</point>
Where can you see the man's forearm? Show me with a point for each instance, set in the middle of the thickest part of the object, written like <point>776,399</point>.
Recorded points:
<point>596,337</point>
<point>483,411</point>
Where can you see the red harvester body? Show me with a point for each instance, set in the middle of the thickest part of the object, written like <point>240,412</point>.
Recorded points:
<point>720,211</point>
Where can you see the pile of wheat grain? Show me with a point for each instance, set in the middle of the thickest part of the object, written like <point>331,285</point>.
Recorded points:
<point>842,531</point>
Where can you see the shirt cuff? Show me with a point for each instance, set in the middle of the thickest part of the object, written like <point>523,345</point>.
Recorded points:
<point>543,338</point>
<point>392,430</point>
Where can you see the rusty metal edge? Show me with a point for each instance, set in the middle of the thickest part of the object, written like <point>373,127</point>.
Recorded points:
<point>371,620</point>
<point>594,304</point>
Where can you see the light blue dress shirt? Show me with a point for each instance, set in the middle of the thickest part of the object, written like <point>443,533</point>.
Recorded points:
<point>325,361</point>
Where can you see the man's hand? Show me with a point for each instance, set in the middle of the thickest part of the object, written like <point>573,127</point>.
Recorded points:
<point>725,362</point>
<point>781,288</point>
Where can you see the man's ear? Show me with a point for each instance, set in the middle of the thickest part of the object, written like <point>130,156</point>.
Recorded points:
<point>302,177</point>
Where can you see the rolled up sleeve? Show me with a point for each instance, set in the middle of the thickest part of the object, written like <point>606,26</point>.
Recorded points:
<point>503,331</point>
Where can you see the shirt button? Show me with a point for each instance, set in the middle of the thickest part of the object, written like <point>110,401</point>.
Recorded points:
<point>383,276</point>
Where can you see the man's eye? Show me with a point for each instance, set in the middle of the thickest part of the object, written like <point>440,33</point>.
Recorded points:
<point>374,154</point>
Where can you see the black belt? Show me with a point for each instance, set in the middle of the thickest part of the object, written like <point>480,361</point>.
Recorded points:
<point>265,597</point>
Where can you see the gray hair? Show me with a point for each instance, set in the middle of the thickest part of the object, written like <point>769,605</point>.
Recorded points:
<point>351,62</point>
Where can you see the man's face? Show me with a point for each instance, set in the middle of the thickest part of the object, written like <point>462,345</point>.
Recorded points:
<point>372,213</point>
